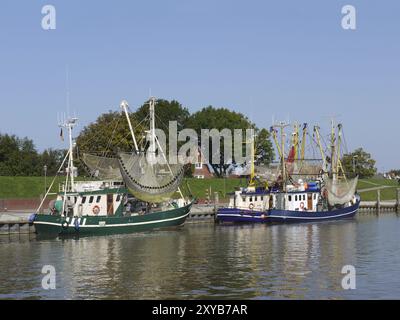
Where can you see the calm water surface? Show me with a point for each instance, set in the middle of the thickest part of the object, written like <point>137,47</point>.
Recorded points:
<point>207,261</point>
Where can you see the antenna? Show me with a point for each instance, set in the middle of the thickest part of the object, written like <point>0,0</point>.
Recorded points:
<point>67,88</point>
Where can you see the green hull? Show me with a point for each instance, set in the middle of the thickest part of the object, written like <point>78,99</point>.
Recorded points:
<point>91,225</point>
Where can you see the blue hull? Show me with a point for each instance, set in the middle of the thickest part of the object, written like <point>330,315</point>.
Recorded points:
<point>238,215</point>
<point>284,216</point>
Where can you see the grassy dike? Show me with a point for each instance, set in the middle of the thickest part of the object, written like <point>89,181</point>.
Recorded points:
<point>33,187</point>
<point>27,187</point>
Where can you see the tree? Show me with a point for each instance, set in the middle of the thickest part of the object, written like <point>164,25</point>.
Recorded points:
<point>165,111</point>
<point>109,133</point>
<point>264,149</point>
<point>222,118</point>
<point>359,163</point>
<point>18,157</point>
<point>52,159</point>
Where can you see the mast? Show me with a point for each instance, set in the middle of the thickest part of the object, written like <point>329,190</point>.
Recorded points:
<point>69,125</point>
<point>296,141</point>
<point>333,152</point>
<point>282,126</point>
<point>339,165</point>
<point>252,174</point>
<point>152,147</point>
<point>124,106</point>
<point>303,143</point>
<point>321,150</point>
<point>275,137</point>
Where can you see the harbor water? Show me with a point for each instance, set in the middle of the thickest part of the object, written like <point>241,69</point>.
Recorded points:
<point>207,261</point>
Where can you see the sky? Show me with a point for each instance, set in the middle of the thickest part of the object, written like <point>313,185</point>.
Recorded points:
<point>282,60</point>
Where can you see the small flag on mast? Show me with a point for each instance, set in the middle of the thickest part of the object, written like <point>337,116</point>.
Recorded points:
<point>62,135</point>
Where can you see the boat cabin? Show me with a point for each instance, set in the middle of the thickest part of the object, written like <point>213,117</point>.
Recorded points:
<point>95,198</point>
<point>301,201</point>
<point>251,198</point>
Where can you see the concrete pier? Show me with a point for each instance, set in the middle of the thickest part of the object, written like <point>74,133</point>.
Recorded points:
<point>15,223</point>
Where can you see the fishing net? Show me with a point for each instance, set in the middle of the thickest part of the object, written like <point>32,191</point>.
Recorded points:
<point>304,169</point>
<point>340,191</point>
<point>148,182</point>
<point>102,167</point>
<point>268,173</point>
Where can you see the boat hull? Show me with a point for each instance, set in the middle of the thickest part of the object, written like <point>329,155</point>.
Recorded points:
<point>103,225</point>
<point>231,215</point>
<point>287,216</point>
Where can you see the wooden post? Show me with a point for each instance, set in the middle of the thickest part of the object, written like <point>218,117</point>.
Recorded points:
<point>378,202</point>
<point>41,199</point>
<point>216,203</point>
<point>398,201</point>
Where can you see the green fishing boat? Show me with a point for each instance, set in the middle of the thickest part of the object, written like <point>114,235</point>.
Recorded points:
<point>135,195</point>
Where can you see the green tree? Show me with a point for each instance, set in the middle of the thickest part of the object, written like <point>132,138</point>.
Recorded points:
<point>18,157</point>
<point>106,136</point>
<point>359,163</point>
<point>165,111</point>
<point>109,133</point>
<point>264,149</point>
<point>52,159</point>
<point>221,118</point>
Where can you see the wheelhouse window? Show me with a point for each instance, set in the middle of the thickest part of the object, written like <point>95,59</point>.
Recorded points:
<point>98,199</point>
<point>244,199</point>
<point>118,198</point>
<point>255,198</point>
<point>83,200</point>
<point>290,198</point>
<point>251,199</point>
<point>295,198</point>
<point>91,199</point>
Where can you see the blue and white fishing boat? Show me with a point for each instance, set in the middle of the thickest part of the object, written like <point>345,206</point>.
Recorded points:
<point>324,196</point>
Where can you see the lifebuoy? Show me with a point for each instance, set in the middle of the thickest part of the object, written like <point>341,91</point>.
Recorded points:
<point>65,224</point>
<point>251,206</point>
<point>96,210</point>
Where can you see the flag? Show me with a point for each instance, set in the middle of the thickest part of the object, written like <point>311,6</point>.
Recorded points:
<point>62,135</point>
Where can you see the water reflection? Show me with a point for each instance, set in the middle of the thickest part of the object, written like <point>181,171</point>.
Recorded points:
<point>299,261</point>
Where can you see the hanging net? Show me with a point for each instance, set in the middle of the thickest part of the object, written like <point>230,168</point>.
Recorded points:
<point>148,182</point>
<point>304,169</point>
<point>102,167</point>
<point>340,191</point>
<point>268,173</point>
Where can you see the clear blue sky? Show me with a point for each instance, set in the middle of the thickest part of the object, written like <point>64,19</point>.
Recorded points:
<point>287,59</point>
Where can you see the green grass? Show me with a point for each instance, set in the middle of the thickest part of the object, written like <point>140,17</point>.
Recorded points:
<point>33,187</point>
<point>26,187</point>
<point>386,194</point>
<point>200,187</point>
